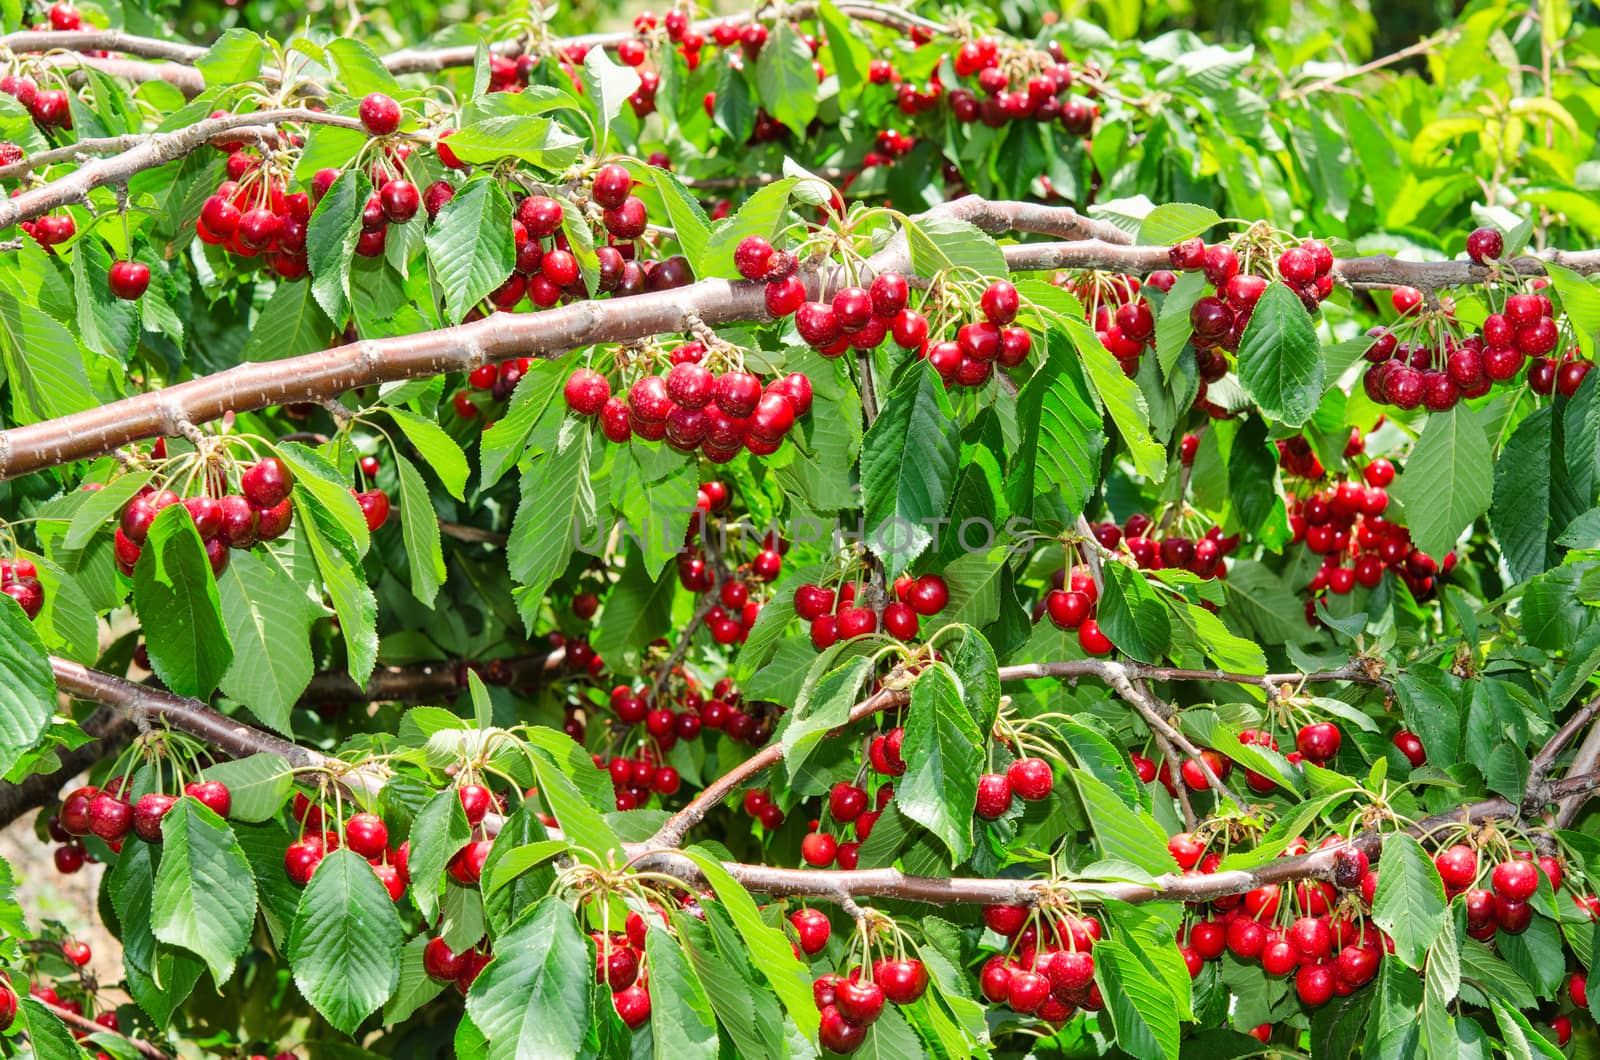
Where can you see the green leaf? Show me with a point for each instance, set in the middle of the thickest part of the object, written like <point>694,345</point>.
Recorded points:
<point>1430,702</point>
<point>1409,903</point>
<point>344,946</point>
<point>786,79</point>
<point>331,238</point>
<point>532,1000</point>
<point>1132,615</point>
<point>502,445</point>
<point>826,708</point>
<point>205,893</point>
<point>763,214</point>
<point>360,68</point>
<point>909,461</point>
<point>1173,327</point>
<point>415,987</point>
<point>1174,222</point>
<point>269,620</point>
<point>48,1037</point>
<point>1580,301</point>
<point>1143,1009</point>
<point>102,505</point>
<point>27,685</point>
<point>1280,361</point>
<point>259,785</point>
<point>1520,513</point>
<point>160,978</point>
<point>943,752</point>
<point>769,948</point>
<point>291,324</point>
<point>435,446</point>
<point>638,610</point>
<point>939,243</point>
<point>339,565</point>
<point>234,57</point>
<point>556,492</point>
<point>1121,398</point>
<point>579,821</point>
<point>543,142</point>
<point>438,831</point>
<point>1121,831</point>
<point>609,85</point>
<point>1517,1035</point>
<point>420,524</point>
<point>469,243</point>
<point>43,363</point>
<point>1062,439</point>
<point>682,1024</point>
<point>318,479</point>
<point>176,598</point>
<point>1253,487</point>
<point>688,219</point>
<point>1447,482</point>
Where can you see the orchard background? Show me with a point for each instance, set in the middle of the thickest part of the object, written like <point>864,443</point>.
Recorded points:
<point>838,527</point>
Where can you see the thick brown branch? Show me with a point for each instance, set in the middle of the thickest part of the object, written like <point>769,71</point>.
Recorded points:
<point>422,682</point>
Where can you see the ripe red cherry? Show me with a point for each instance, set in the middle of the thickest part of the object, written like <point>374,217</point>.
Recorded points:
<point>1027,990</point>
<point>1318,741</point>
<point>76,952</point>
<point>1031,778</point>
<point>266,483</point>
<point>1314,984</point>
<point>612,183</point>
<point>148,813</point>
<point>752,256</point>
<point>627,221</point>
<point>858,1001</point>
<point>1457,865</point>
<point>475,801</point>
<point>838,1034</point>
<point>366,834</point>
<point>129,280</point>
<point>812,928</point>
<point>213,794</point>
<point>466,867</point>
<point>900,621</point>
<point>1515,880</point>
<point>110,817</point>
<point>889,292</point>
<point>903,981</point>
<point>439,963</point>
<point>1005,920</point>
<point>846,802</point>
<point>1411,747</point>
<point>633,1005</point>
<point>785,296</point>
<point>999,303</point>
<point>1091,640</point>
<point>818,849</point>
<point>380,114</point>
<point>374,507</point>
<point>1485,245</point>
<point>994,796</point>
<point>929,595</point>
<point>1070,970</point>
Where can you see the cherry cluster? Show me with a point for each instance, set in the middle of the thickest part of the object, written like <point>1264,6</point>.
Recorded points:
<point>847,805</point>
<point>636,779</point>
<point>850,1004</point>
<point>254,214</point>
<point>1120,314</point>
<point>1435,369</point>
<point>1503,905</point>
<point>51,230</point>
<point>857,318</point>
<point>260,511</point>
<point>1308,930</point>
<point>365,834</point>
<point>1344,524</point>
<point>497,381</point>
<point>107,814</point>
<point>835,616</point>
<point>1028,779</point>
<point>1048,969</point>
<point>1017,85</point>
<point>50,108</point>
<point>981,344</point>
<point>19,579</point>
<point>692,407</point>
<point>443,965</point>
<point>1070,605</point>
<point>1219,319</point>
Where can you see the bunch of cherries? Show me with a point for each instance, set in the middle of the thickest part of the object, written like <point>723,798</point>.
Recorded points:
<point>691,407</point>
<point>848,805</point>
<point>1048,968</point>
<point>1219,319</point>
<point>1503,904</point>
<point>366,835</point>
<point>835,616</point>
<point>108,814</point>
<point>850,1004</point>
<point>1121,316</point>
<point>260,511</point>
<point>979,345</point>
<point>50,108</point>
<point>1344,524</point>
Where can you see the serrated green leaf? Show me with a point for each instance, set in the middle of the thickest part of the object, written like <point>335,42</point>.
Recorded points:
<point>269,619</point>
<point>1409,903</point>
<point>1279,360</point>
<point>909,460</point>
<point>344,946</point>
<point>943,752</point>
<point>469,243</point>
<point>175,595</point>
<point>1447,482</point>
<point>532,1000</point>
<point>205,894</point>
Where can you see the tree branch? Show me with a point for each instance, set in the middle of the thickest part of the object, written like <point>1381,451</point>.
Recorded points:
<point>85,1025</point>
<point>111,731</point>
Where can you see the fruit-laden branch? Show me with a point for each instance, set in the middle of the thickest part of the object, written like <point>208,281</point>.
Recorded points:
<point>1113,673</point>
<point>157,150</point>
<point>549,333</point>
<point>111,730</point>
